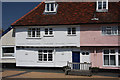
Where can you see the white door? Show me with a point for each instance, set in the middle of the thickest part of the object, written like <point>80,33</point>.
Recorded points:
<point>85,57</point>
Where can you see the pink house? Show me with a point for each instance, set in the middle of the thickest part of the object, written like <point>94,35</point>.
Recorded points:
<point>89,29</point>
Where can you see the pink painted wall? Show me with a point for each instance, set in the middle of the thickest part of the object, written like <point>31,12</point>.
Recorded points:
<point>91,35</point>
<point>96,57</point>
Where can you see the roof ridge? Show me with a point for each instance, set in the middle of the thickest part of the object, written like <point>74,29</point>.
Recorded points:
<point>27,13</point>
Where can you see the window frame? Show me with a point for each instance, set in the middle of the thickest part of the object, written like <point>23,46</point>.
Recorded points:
<point>37,29</point>
<point>102,6</point>
<point>114,30</point>
<point>116,57</point>
<point>8,47</point>
<point>55,5</point>
<point>71,31</point>
<point>47,55</point>
<point>48,32</point>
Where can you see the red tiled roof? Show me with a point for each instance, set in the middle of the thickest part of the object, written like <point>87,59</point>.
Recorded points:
<point>71,13</point>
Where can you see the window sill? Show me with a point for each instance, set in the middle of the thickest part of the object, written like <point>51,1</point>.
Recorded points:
<point>48,36</point>
<point>102,10</point>
<point>110,66</point>
<point>8,57</point>
<point>71,35</point>
<point>33,38</point>
<point>44,61</point>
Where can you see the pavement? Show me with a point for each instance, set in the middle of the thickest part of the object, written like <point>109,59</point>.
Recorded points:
<point>49,73</point>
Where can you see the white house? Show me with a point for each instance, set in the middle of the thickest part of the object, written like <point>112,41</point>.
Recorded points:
<point>54,33</point>
<point>7,47</point>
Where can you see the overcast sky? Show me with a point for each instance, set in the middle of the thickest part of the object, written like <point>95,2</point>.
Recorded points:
<point>11,11</point>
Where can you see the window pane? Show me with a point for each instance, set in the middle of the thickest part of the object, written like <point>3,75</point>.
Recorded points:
<point>119,60</point>
<point>46,31</point>
<point>50,31</point>
<point>45,51</point>
<point>50,51</point>
<point>112,60</point>
<point>119,51</point>
<point>33,32</point>
<point>83,53</point>
<point>69,30</point>
<point>99,5</point>
<point>106,51</point>
<point>112,51</point>
<point>119,30</point>
<point>47,7</point>
<point>8,49</point>
<point>104,5</point>
<point>52,6</point>
<point>40,51</point>
<point>73,30</point>
<point>40,57</point>
<point>29,32</point>
<point>49,57</point>
<point>106,59</point>
<point>87,53</point>
<point>45,57</point>
<point>38,32</point>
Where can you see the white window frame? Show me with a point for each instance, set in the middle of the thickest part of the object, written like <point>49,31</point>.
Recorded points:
<point>116,58</point>
<point>102,10</point>
<point>114,30</point>
<point>71,31</point>
<point>49,35</point>
<point>47,55</point>
<point>49,3</point>
<point>36,29</point>
<point>7,47</point>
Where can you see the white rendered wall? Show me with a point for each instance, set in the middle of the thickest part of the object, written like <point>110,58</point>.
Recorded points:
<point>60,37</point>
<point>29,57</point>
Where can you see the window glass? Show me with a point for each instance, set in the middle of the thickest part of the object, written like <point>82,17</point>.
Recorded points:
<point>33,32</point>
<point>99,5</point>
<point>106,51</point>
<point>45,55</point>
<point>104,5</point>
<point>119,60</point>
<point>106,59</point>
<point>8,52</point>
<point>112,60</point>
<point>47,7</point>
<point>52,6</point>
<point>71,31</point>
<point>112,51</point>
<point>46,31</point>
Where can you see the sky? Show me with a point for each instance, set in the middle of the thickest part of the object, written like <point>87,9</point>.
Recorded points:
<point>11,11</point>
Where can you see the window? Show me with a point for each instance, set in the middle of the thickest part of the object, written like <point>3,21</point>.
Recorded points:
<point>45,55</point>
<point>48,31</point>
<point>50,6</point>
<point>110,57</point>
<point>71,31</point>
<point>33,32</point>
<point>102,5</point>
<point>7,51</point>
<point>85,53</point>
<point>119,57</point>
<point>110,30</point>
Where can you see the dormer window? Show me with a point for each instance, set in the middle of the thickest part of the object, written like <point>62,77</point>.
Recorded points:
<point>50,7</point>
<point>102,6</point>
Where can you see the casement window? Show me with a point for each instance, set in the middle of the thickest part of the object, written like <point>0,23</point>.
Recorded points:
<point>50,7</point>
<point>8,52</point>
<point>48,31</point>
<point>45,55</point>
<point>71,31</point>
<point>33,32</point>
<point>110,30</point>
<point>111,57</point>
<point>102,6</point>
